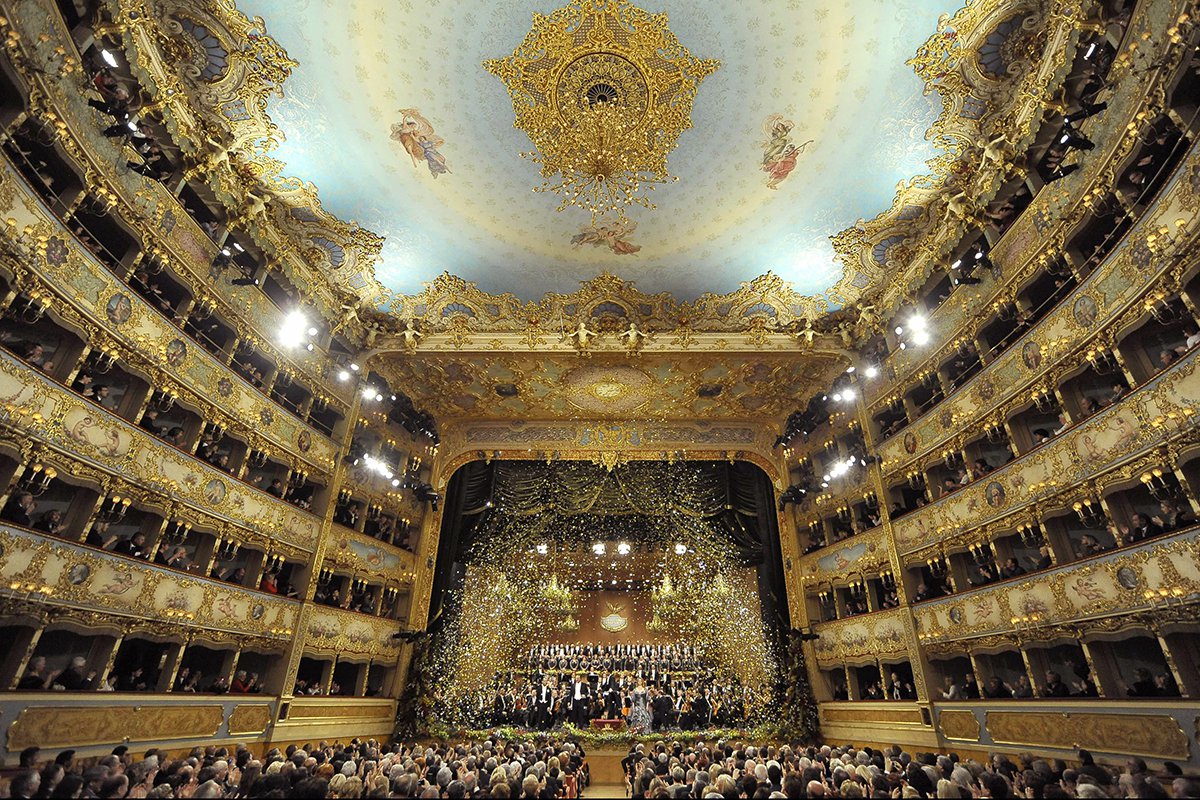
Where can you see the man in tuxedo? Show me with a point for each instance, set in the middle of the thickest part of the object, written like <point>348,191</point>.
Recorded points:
<point>581,699</point>
<point>662,707</point>
<point>542,707</point>
<point>701,710</point>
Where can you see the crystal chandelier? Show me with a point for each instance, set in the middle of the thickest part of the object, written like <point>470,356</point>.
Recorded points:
<point>604,90</point>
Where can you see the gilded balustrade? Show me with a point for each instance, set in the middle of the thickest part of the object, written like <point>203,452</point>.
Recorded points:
<point>367,557</point>
<point>1146,259</point>
<point>336,632</point>
<point>167,230</point>
<point>862,639</point>
<point>864,553</point>
<point>1161,410</point>
<point>1157,580</point>
<point>51,261</point>
<point>38,570</point>
<point>35,409</point>
<point>1040,231</point>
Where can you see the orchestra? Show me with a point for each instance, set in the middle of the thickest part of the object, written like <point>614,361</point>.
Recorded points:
<point>579,683</point>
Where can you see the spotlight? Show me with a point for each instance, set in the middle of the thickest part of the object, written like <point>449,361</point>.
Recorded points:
<point>354,367</point>
<point>343,375</point>
<point>849,370</point>
<point>623,548</point>
<point>837,396</point>
<point>1091,49</point>
<point>111,60</point>
<point>920,337</point>
<point>871,372</point>
<point>312,331</point>
<point>292,331</point>
<point>395,481</point>
<point>847,394</point>
<point>899,330</point>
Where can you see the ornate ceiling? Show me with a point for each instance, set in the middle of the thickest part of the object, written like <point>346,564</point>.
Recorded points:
<point>393,117</point>
<point>535,386</point>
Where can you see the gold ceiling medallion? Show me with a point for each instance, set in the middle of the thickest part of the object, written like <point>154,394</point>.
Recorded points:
<point>603,89</point>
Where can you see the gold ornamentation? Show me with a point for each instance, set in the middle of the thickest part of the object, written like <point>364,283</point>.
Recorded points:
<point>1156,735</point>
<point>959,724</point>
<point>63,726</point>
<point>604,90</point>
<point>249,719</point>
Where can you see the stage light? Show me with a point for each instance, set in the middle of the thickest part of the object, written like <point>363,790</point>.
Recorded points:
<point>837,396</point>
<point>312,331</point>
<point>395,481</point>
<point>111,60</point>
<point>848,394</point>
<point>871,372</point>
<point>291,333</point>
<point>343,375</point>
<point>354,367</point>
<point>917,322</point>
<point>920,337</point>
<point>849,370</point>
<point>680,549</point>
<point>1091,49</point>
<point>623,548</point>
<point>598,548</point>
<point>543,549</point>
<point>956,264</point>
<point>899,330</point>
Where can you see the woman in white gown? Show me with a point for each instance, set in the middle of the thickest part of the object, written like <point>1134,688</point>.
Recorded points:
<point>639,711</point>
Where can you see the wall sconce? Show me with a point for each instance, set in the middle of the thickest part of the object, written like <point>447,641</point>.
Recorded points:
<point>1103,361</point>
<point>887,579</point>
<point>164,400</point>
<point>324,576</point>
<point>34,307</point>
<point>981,554</point>
<point>843,513</point>
<point>177,532</point>
<point>1031,534</point>
<point>826,599</point>
<point>1167,597</point>
<point>256,459</point>
<point>273,563</point>
<point>996,434</point>
<point>937,566</point>
<point>103,359</point>
<point>114,508</point>
<point>1162,308</point>
<point>298,478</point>
<point>226,549</point>
<point>1090,513</point>
<point>1044,401</point>
<point>1155,481</point>
<point>953,459</point>
<point>38,479</point>
<point>916,480</point>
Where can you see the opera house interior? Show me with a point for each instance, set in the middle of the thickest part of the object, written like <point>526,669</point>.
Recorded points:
<point>464,400</point>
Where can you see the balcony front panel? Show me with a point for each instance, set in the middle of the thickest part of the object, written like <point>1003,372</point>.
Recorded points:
<point>332,631</point>
<point>106,303</point>
<point>866,552</point>
<point>365,556</point>
<point>44,411</point>
<point>1115,585</point>
<point>335,717</point>
<point>1162,409</point>
<point>37,569</point>
<point>862,639</point>
<point>92,724</point>
<point>1148,728</point>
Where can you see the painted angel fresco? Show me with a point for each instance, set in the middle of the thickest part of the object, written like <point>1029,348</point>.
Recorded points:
<point>614,237</point>
<point>780,153</point>
<point>416,135</point>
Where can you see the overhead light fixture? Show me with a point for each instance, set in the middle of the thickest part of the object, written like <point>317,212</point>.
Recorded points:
<point>291,333</point>
<point>589,86</point>
<point>111,60</point>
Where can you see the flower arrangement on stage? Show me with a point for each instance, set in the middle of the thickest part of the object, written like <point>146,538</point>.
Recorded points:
<point>592,738</point>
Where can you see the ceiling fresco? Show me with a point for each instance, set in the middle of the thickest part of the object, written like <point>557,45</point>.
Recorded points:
<point>807,126</point>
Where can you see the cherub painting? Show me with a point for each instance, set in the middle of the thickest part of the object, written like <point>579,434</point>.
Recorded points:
<point>416,135</point>
<point>613,236</point>
<point>780,153</point>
